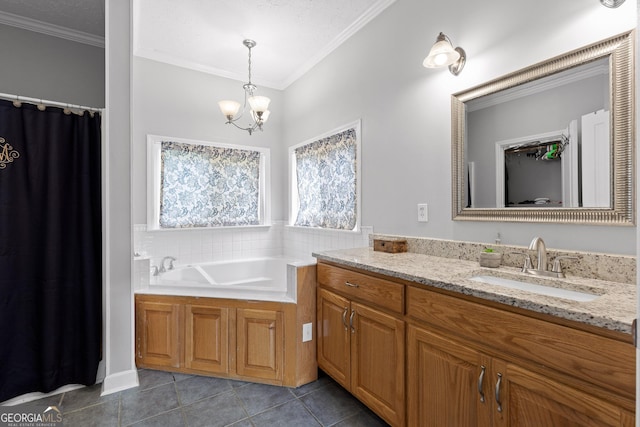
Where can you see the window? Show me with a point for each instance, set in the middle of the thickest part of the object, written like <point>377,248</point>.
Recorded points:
<point>325,180</point>
<point>201,184</point>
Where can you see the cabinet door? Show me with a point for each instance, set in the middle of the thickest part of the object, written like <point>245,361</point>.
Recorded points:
<point>157,334</point>
<point>206,338</point>
<point>531,399</point>
<point>333,313</point>
<point>260,343</point>
<point>377,362</point>
<point>448,383</point>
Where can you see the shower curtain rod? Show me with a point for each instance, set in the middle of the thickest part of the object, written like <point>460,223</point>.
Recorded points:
<point>45,102</point>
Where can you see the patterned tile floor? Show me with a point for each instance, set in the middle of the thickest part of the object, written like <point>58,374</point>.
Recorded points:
<point>173,400</point>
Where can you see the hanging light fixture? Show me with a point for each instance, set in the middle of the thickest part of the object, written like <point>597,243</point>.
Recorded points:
<point>442,54</point>
<point>259,104</point>
<point>611,3</point>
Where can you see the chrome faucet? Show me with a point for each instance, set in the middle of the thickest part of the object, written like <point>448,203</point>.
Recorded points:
<point>162,267</point>
<point>542,267</point>
<point>537,244</point>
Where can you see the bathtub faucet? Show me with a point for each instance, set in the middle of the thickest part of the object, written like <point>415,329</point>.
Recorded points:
<point>162,267</point>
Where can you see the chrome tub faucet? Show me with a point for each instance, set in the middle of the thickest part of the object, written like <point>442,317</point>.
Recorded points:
<point>162,267</point>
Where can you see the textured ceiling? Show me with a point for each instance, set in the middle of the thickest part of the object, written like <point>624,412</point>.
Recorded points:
<point>206,35</point>
<point>291,35</point>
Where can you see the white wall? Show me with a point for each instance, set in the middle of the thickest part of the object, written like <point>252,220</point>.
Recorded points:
<point>117,235</point>
<point>377,76</point>
<point>173,101</point>
<point>45,67</point>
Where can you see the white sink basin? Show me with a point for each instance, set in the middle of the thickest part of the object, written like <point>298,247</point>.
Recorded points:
<point>536,288</point>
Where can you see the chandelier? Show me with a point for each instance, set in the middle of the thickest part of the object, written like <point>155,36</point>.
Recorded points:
<point>259,104</point>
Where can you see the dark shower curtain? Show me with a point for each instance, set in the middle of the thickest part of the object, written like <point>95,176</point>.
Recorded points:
<point>50,249</point>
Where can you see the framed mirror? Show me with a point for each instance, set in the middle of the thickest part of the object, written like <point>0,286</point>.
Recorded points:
<point>553,142</point>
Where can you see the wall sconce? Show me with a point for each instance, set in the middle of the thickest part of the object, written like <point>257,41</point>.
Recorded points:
<point>611,3</point>
<point>443,54</point>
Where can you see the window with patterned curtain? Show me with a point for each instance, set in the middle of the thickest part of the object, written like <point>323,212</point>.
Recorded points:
<point>207,185</point>
<point>325,177</point>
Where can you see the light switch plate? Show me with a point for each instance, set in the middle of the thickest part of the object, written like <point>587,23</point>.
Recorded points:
<point>307,332</point>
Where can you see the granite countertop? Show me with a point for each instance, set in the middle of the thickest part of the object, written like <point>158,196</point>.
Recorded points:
<point>614,309</point>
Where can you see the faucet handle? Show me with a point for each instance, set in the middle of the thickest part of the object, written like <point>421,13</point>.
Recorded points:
<point>527,260</point>
<point>557,267</point>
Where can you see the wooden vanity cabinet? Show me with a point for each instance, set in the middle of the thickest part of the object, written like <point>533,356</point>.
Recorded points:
<point>454,384</point>
<point>473,365</point>
<point>444,380</point>
<point>469,362</point>
<point>361,338</point>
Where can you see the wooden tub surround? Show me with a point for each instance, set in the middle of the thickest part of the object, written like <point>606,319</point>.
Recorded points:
<point>259,341</point>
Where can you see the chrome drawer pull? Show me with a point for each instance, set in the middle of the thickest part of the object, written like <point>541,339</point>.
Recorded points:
<point>481,383</point>
<point>344,317</point>
<point>352,285</point>
<point>498,383</point>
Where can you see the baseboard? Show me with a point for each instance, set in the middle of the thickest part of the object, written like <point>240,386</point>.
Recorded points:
<point>119,381</point>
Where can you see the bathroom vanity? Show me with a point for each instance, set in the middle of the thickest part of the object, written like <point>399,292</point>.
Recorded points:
<point>421,344</point>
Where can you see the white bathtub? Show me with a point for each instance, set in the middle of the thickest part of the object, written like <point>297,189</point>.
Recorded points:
<point>266,279</point>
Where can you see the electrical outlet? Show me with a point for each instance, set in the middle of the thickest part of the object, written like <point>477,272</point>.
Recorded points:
<point>307,332</point>
<point>423,213</point>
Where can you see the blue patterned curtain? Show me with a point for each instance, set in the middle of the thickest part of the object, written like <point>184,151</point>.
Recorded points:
<point>326,174</point>
<point>207,186</point>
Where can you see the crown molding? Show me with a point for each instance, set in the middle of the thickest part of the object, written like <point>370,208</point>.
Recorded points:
<point>363,20</point>
<point>551,82</point>
<point>50,29</point>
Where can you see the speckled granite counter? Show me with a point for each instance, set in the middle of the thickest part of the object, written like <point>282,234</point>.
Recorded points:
<point>614,309</point>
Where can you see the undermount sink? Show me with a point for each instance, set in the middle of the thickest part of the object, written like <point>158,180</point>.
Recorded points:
<point>536,288</point>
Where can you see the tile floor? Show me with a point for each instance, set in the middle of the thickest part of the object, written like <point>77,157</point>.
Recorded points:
<point>173,400</point>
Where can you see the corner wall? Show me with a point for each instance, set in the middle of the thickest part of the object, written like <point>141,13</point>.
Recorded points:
<point>377,75</point>
<point>119,352</point>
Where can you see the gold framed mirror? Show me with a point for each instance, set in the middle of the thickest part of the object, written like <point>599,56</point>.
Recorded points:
<point>568,122</point>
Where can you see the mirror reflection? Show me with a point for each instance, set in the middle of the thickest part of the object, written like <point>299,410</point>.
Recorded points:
<point>542,144</point>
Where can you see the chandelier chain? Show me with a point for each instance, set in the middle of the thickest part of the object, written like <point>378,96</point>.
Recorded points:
<point>249,66</point>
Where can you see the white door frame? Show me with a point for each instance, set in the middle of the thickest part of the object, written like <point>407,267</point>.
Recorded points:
<point>502,146</point>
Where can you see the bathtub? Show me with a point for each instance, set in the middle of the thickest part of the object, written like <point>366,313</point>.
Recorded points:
<point>265,279</point>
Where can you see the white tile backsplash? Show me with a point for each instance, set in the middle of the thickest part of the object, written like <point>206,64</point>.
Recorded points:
<point>196,246</point>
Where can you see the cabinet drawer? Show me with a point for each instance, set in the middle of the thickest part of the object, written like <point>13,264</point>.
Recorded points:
<point>362,287</point>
